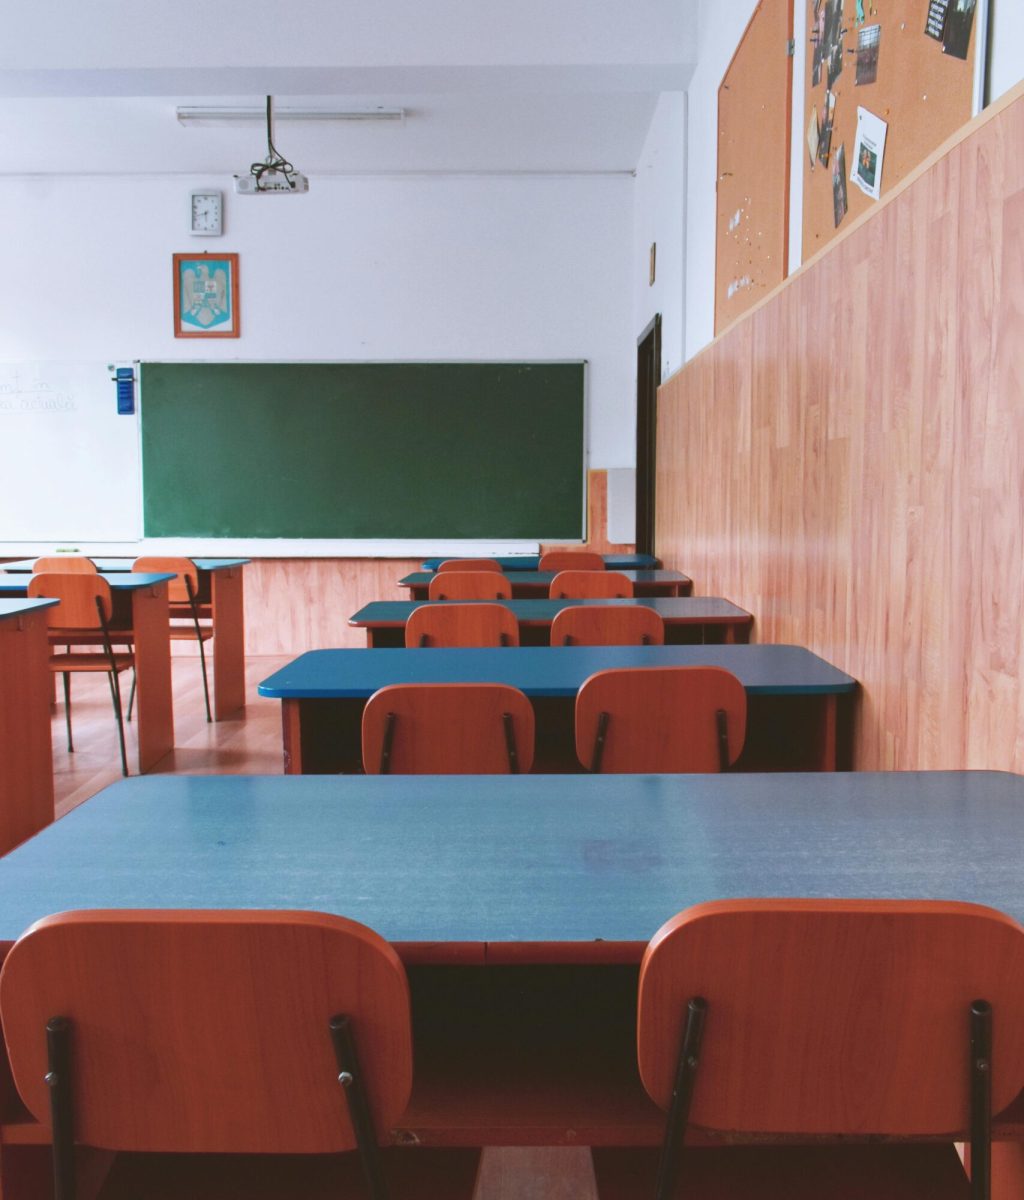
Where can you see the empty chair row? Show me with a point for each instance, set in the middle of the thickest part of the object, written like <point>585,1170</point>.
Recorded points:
<point>566,585</point>
<point>482,624</point>
<point>550,560</point>
<point>291,1033</point>
<point>649,719</point>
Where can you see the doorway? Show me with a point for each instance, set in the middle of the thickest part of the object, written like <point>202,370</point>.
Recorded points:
<point>648,377</point>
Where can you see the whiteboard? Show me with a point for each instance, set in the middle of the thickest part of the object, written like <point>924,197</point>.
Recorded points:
<point>71,464</point>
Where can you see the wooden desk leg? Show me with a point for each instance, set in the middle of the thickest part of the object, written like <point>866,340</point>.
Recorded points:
<point>228,641</point>
<point>26,755</point>
<point>291,736</point>
<point>154,708</point>
<point>728,635</point>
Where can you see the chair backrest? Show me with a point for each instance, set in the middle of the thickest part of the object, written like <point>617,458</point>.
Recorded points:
<point>77,595</point>
<point>590,585</point>
<point>621,625</point>
<point>65,564</point>
<point>660,719</point>
<point>208,1031</point>
<point>448,729</point>
<point>833,1016</point>
<point>469,585</point>
<point>470,564</point>
<point>571,560</point>
<point>183,568</point>
<point>461,625</point>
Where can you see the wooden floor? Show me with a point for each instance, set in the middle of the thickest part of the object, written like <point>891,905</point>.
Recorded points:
<point>250,744</point>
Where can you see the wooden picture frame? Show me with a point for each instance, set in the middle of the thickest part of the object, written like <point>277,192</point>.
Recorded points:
<point>206,300</point>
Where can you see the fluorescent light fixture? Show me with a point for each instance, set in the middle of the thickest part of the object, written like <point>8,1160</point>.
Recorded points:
<point>230,113</point>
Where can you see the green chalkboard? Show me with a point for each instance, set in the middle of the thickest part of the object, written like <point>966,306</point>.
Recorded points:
<point>363,450</point>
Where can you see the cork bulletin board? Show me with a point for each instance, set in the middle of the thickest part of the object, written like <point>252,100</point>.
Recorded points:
<point>754,120</point>
<point>907,63</point>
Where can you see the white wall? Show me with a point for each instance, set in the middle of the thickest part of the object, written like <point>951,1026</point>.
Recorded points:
<point>416,268</point>
<point>1007,46</point>
<point>659,217</point>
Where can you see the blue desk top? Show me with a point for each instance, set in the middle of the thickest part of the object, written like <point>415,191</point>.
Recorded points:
<point>427,858</point>
<point>16,608</point>
<point>127,581</point>
<point>531,562</point>
<point>125,564</point>
<point>543,578</point>
<point>546,671</point>
<point>670,608</point>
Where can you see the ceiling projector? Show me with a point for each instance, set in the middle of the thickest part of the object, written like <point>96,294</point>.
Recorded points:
<point>271,183</point>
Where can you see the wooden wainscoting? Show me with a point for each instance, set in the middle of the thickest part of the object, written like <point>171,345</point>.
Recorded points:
<point>847,462</point>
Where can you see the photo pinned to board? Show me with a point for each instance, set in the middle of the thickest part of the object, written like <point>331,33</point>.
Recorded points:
<point>935,22</point>
<point>868,40</point>
<point>827,37</point>
<point>813,136</point>
<point>828,116</point>
<point>869,153</point>
<point>956,34</point>
<point>840,200</point>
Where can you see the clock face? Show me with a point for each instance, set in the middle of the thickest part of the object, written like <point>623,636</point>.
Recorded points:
<point>205,213</point>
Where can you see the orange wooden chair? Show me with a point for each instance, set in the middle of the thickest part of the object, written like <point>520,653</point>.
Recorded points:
<point>83,618</point>
<point>64,564</point>
<point>470,564</point>
<point>448,729</point>
<point>660,719</point>
<point>829,1020</point>
<point>178,1033</point>
<point>183,602</point>
<point>461,625</point>
<point>571,560</point>
<point>628,625</point>
<point>469,585</point>
<point>590,585</point>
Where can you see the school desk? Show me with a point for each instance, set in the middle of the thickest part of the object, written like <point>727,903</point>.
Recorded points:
<point>26,762</point>
<point>531,562</point>
<point>533,585</point>
<point>520,905</point>
<point>795,718</point>
<point>139,603</point>
<point>687,618</point>
<point>221,600</point>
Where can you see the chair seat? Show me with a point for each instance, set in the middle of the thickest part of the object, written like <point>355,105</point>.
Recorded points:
<point>411,1174</point>
<point>847,1172</point>
<point>89,662</point>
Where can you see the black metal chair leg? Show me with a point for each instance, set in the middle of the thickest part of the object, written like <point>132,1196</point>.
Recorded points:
<point>66,675</point>
<point>115,695</point>
<point>385,746</point>
<point>131,698</point>
<point>510,743</point>
<point>722,731</point>
<point>199,638</point>
<point>981,1100</point>
<point>351,1080</point>
<point>599,740</point>
<point>682,1094</point>
<point>58,1079</point>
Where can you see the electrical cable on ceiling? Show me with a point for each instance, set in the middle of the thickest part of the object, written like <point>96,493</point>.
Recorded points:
<point>274,164</point>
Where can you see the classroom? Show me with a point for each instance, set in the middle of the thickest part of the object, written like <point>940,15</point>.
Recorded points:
<point>521,225</point>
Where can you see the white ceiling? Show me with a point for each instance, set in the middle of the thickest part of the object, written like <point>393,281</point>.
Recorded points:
<point>527,86</point>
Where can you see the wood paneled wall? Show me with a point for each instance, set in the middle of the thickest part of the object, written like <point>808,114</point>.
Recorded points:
<point>847,462</point>
<point>298,604</point>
